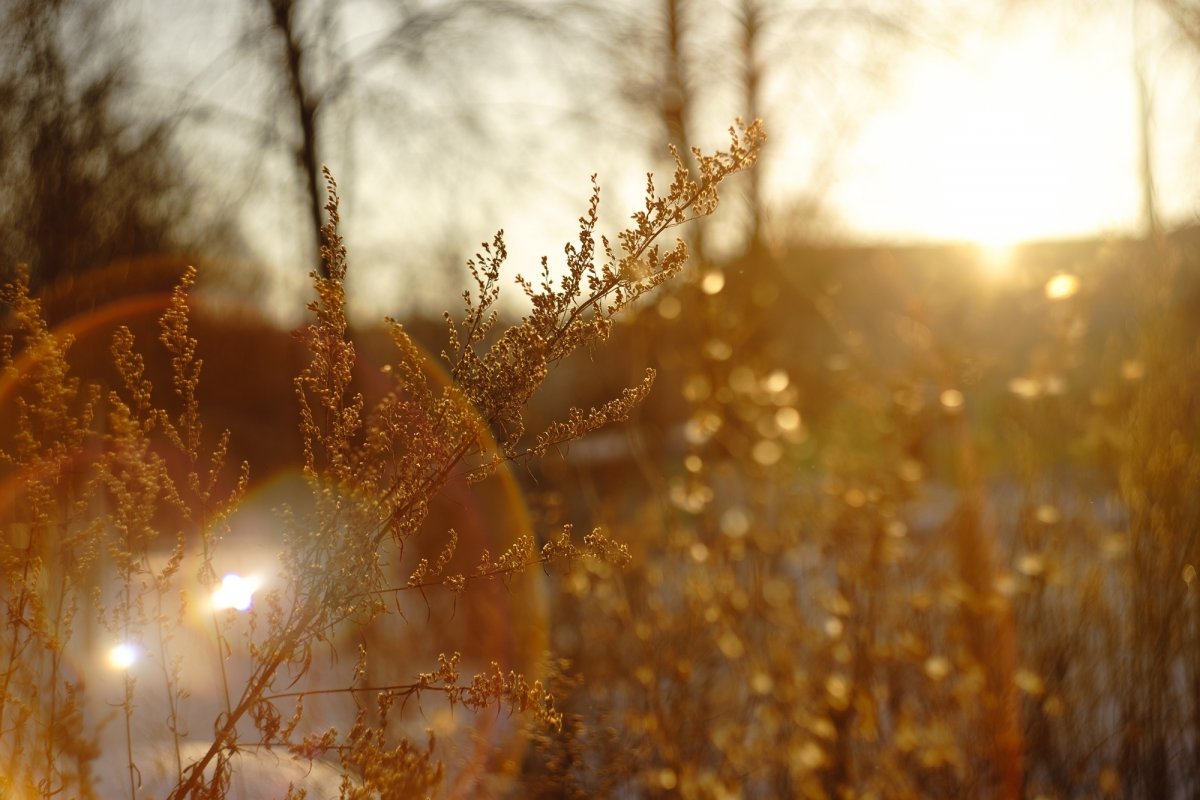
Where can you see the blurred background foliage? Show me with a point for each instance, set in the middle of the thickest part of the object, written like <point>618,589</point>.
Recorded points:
<point>903,524</point>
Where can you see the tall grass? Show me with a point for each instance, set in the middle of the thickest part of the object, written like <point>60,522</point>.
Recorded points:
<point>927,535</point>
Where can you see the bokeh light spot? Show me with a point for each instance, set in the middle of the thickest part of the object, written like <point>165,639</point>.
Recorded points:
<point>731,645</point>
<point>951,399</point>
<point>1029,682</point>
<point>1025,388</point>
<point>767,452</point>
<point>761,683</point>
<point>776,381</point>
<point>1048,514</point>
<point>712,282</point>
<point>937,667</point>
<point>1062,286</point>
<point>1031,564</point>
<point>735,522</point>
<point>718,349</point>
<point>838,689</point>
<point>1133,369</point>
<point>742,380</point>
<point>669,307</point>
<point>787,419</point>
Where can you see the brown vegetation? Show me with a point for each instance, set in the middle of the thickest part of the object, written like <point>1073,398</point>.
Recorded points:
<point>121,503</point>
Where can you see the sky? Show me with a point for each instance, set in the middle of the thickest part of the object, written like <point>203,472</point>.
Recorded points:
<point>1025,132</point>
<point>1019,125</point>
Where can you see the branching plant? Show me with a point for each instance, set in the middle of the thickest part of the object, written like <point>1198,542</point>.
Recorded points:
<point>116,501</point>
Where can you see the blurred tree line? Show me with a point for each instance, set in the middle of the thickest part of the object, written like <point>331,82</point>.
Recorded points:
<point>98,167</point>
<point>88,179</point>
<point>101,161</point>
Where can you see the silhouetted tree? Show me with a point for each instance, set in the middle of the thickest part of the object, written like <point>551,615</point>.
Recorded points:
<point>315,72</point>
<point>83,181</point>
<point>681,63</point>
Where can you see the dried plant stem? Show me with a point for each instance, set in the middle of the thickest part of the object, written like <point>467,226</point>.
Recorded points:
<point>55,665</point>
<point>169,681</point>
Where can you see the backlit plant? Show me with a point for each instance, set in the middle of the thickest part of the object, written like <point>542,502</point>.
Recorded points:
<point>117,507</point>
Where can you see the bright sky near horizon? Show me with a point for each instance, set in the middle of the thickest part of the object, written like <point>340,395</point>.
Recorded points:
<point>1027,132</point>
<point>1021,128</point>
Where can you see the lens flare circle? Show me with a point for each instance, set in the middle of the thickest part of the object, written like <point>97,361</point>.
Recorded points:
<point>495,621</point>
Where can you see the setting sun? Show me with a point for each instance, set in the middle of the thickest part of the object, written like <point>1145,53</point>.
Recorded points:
<point>998,145</point>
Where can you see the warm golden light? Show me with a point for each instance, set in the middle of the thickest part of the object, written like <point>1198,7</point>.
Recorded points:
<point>1133,369</point>
<point>669,307</point>
<point>787,418</point>
<point>981,147</point>
<point>937,667</point>
<point>1062,286</point>
<point>712,282</point>
<point>1025,388</point>
<point>122,656</point>
<point>767,452</point>
<point>996,258</point>
<point>236,592</point>
<point>776,381</point>
<point>952,399</point>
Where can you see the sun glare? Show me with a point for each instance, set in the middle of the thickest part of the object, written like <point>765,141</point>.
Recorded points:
<point>996,258</point>
<point>998,146</point>
<point>122,656</point>
<point>1062,286</point>
<point>236,592</point>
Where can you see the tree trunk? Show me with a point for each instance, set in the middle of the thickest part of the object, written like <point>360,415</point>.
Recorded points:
<point>306,102</point>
